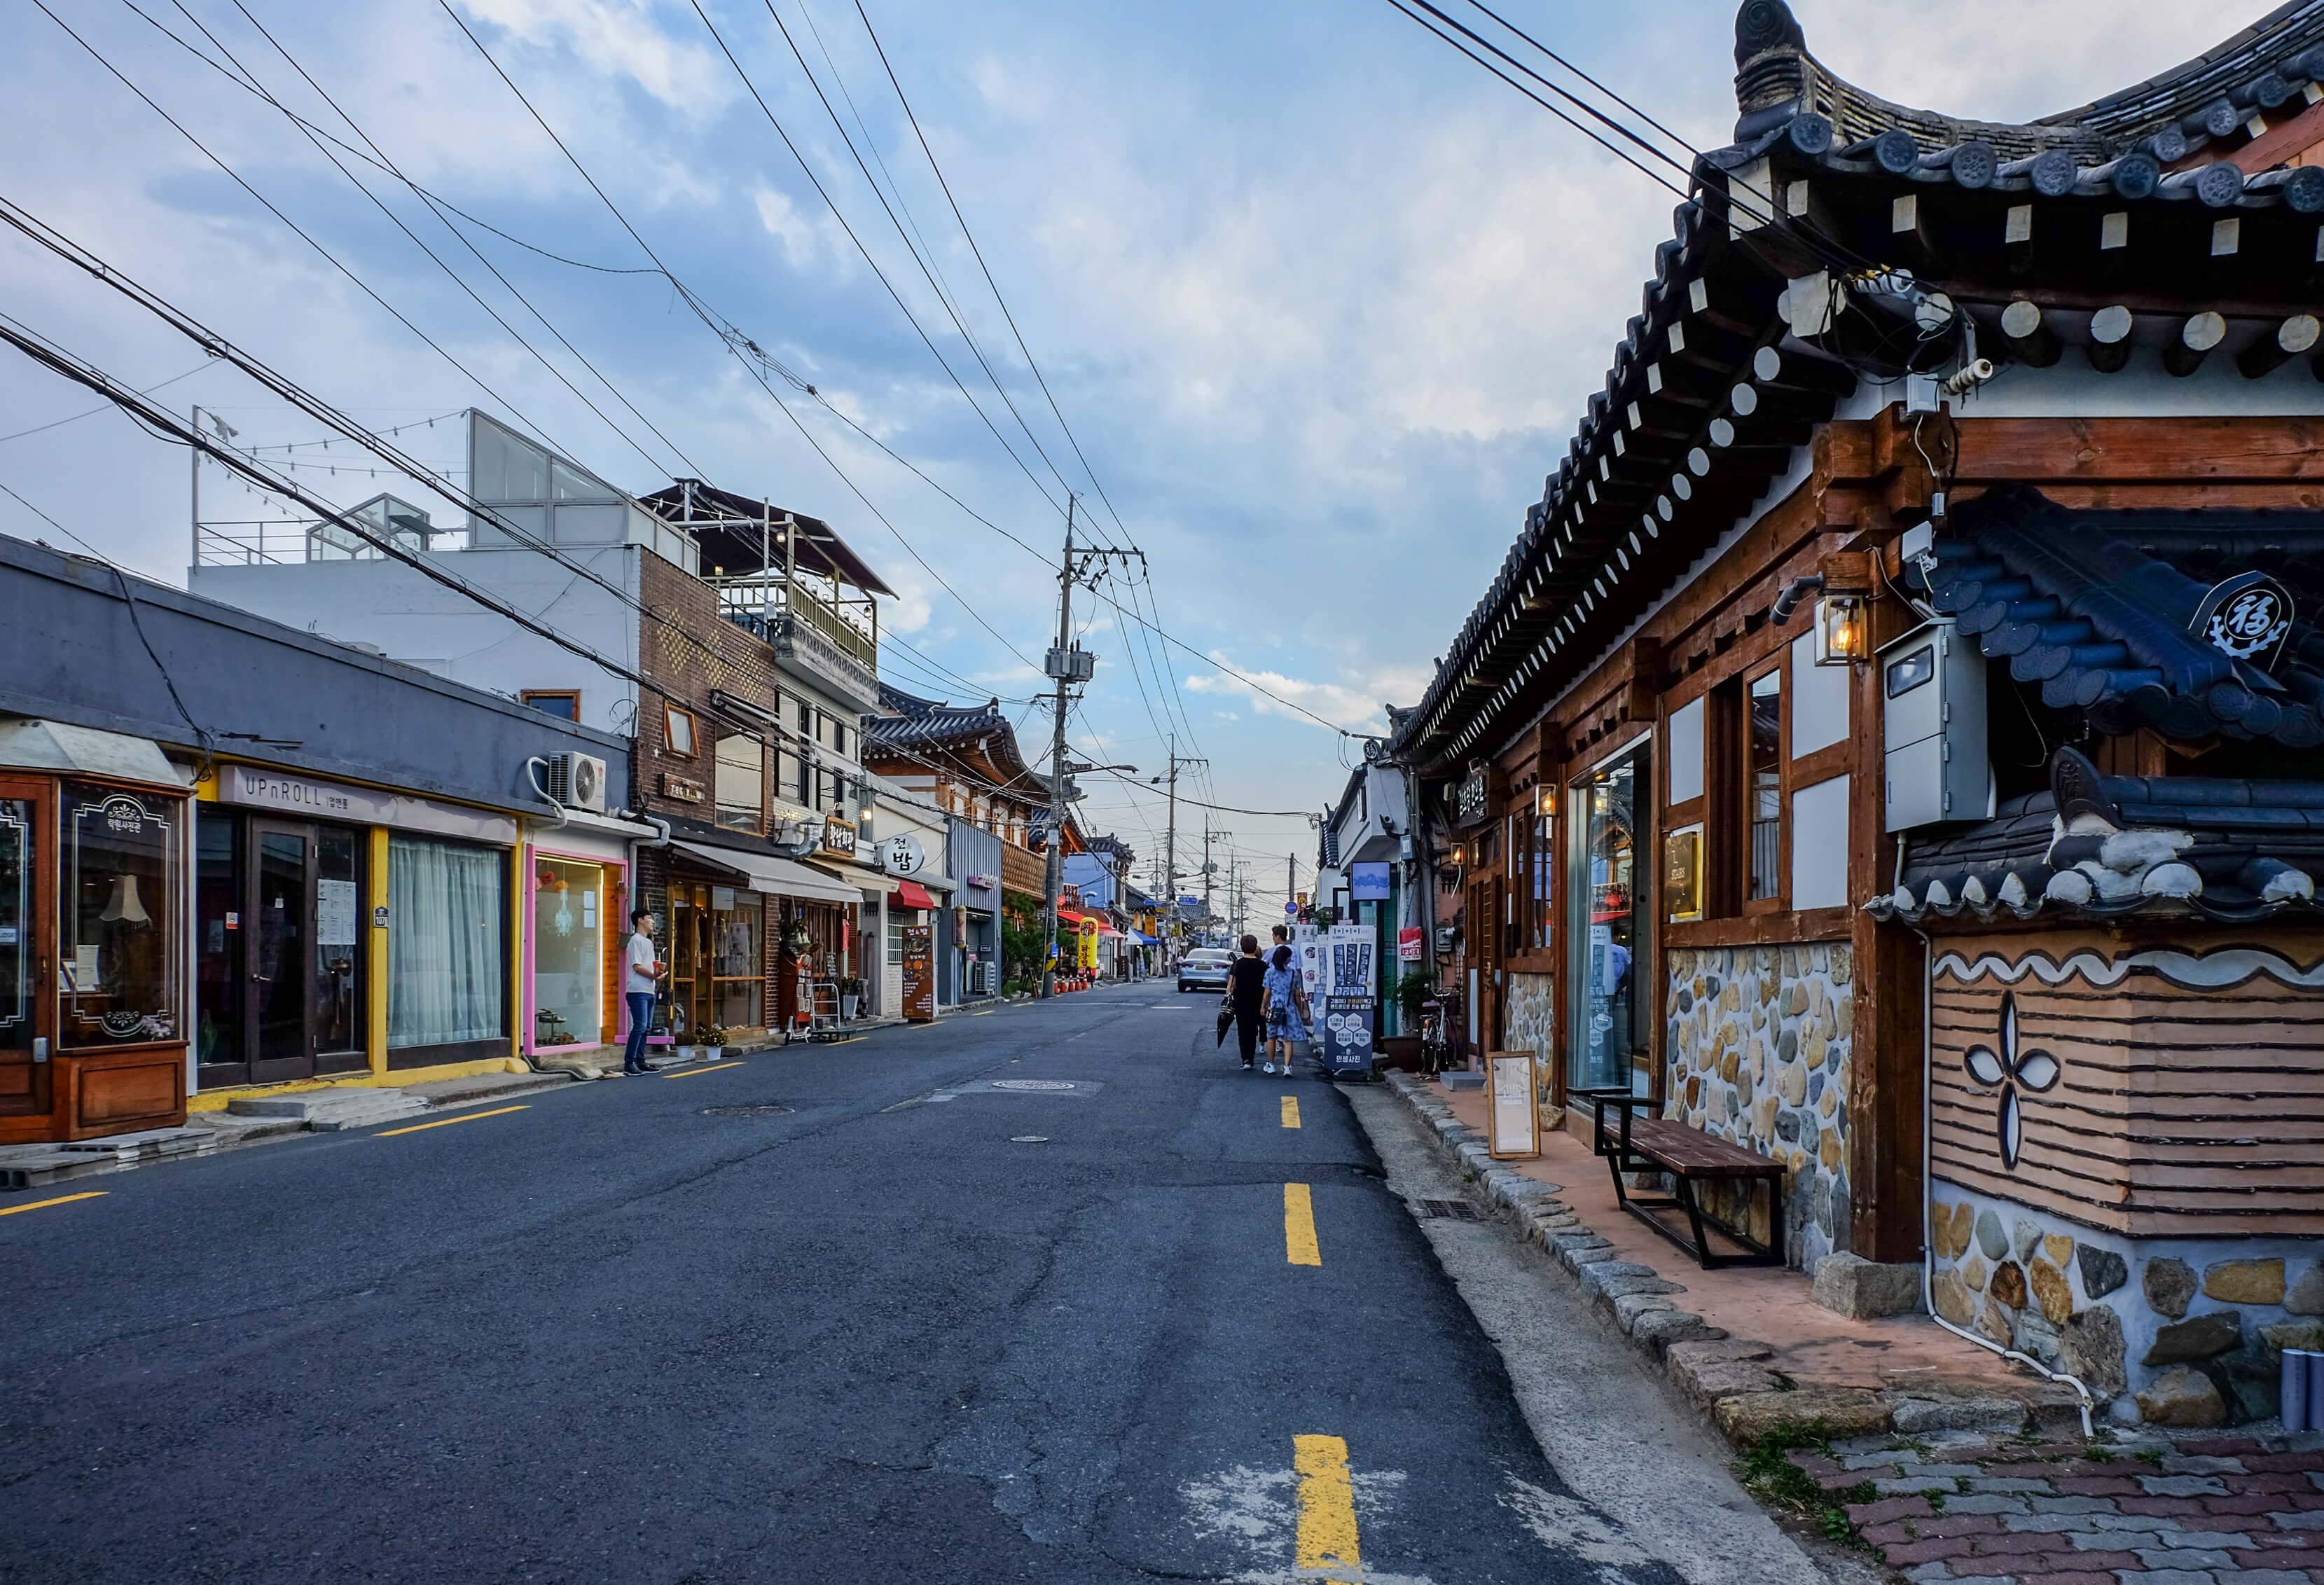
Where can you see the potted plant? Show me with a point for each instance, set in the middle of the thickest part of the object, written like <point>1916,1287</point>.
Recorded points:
<point>850,997</point>
<point>715,1039</point>
<point>1403,1051</point>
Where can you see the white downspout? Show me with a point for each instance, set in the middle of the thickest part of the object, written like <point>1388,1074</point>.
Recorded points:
<point>1928,1199</point>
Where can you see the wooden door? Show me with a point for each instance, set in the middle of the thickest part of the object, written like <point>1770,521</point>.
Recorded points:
<point>28,912</point>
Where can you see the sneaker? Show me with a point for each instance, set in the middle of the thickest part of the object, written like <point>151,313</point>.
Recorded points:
<point>1246,1067</point>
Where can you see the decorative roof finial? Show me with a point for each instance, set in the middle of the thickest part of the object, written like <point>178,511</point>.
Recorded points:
<point>1762,25</point>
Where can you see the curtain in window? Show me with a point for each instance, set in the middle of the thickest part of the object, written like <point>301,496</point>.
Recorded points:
<point>444,961</point>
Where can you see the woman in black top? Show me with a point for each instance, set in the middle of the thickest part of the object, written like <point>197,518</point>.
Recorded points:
<point>1247,985</point>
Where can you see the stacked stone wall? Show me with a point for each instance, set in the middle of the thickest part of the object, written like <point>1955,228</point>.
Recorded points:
<point>1757,1049</point>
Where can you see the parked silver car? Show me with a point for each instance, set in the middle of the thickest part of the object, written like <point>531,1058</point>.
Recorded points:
<point>1205,969</point>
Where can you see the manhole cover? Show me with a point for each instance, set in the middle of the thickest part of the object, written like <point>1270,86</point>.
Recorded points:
<point>1033,1084</point>
<point>762,1109</point>
<point>1029,1138</point>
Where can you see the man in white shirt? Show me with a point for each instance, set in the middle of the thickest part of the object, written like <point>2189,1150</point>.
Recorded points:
<point>642,978</point>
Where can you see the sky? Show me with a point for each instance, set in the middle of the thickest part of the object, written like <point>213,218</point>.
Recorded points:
<point>1318,300</point>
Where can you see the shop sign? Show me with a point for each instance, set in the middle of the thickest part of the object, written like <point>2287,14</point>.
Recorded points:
<point>681,789</point>
<point>1368,882</point>
<point>839,836</point>
<point>1351,992</point>
<point>902,855</point>
<point>1411,945</point>
<point>1470,799</point>
<point>983,883</point>
<point>255,787</point>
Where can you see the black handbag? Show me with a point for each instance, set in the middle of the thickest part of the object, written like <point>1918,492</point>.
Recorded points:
<point>1226,1017</point>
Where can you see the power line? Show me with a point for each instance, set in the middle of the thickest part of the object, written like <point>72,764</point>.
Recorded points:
<point>90,413</point>
<point>1030,362</point>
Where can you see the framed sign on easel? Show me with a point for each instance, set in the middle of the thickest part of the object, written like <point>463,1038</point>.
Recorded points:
<point>1513,1124</point>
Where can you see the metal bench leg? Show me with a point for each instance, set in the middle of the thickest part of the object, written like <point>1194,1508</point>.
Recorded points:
<point>1621,1196</point>
<point>1693,1217</point>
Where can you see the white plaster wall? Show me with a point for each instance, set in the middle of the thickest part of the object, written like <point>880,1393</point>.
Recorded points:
<point>412,619</point>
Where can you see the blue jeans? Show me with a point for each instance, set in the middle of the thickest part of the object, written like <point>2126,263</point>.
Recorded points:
<point>641,1010</point>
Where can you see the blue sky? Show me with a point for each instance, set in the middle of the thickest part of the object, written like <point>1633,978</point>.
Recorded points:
<point>1319,300</point>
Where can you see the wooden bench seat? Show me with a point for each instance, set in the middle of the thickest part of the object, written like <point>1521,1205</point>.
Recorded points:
<point>1690,1157</point>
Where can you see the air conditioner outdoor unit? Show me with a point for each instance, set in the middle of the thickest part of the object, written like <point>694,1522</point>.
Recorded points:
<point>979,978</point>
<point>578,781</point>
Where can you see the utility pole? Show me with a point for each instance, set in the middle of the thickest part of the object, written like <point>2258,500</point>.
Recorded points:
<point>1291,887</point>
<point>1170,837</point>
<point>1208,876</point>
<point>1068,664</point>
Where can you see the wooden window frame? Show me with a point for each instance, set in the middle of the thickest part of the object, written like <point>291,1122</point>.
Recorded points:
<point>529,695</point>
<point>1779,900</point>
<point>670,714</point>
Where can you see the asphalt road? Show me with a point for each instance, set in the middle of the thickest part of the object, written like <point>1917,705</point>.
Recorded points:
<point>913,1328</point>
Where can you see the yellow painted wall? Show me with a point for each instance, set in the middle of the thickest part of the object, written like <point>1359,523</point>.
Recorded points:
<point>375,1038</point>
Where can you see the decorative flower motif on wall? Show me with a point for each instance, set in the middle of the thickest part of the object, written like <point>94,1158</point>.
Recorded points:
<point>2011,1070</point>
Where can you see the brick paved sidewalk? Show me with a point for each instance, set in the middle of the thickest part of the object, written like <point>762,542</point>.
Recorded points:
<point>1976,1511</point>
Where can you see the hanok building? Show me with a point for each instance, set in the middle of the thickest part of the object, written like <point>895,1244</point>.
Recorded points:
<point>965,760</point>
<point>1892,742</point>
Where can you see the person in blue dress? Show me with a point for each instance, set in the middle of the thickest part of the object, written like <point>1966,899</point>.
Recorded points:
<point>1287,1005</point>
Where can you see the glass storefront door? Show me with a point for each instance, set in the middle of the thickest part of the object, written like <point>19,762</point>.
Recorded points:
<point>23,1082</point>
<point>1608,928</point>
<point>569,954</point>
<point>279,960</point>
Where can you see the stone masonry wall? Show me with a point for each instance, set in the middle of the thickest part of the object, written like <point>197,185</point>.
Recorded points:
<point>1757,1047</point>
<point>1529,1023</point>
<point>2179,1331</point>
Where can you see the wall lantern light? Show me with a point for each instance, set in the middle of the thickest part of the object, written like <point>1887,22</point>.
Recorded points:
<point>1840,636</point>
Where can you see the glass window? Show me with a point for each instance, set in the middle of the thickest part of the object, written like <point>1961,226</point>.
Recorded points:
<point>738,966</point>
<point>338,939</point>
<point>1606,911</point>
<point>896,935</point>
<point>740,782</point>
<point>567,953</point>
<point>564,704</point>
<point>1763,781</point>
<point>508,469</point>
<point>446,955</point>
<point>18,861</point>
<point>116,955</point>
<point>678,731</point>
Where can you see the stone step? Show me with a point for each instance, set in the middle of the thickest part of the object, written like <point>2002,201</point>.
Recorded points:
<point>147,1144</point>
<point>329,1110</point>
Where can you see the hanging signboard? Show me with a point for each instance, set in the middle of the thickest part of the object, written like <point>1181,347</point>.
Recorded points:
<point>1516,1126</point>
<point>1350,993</point>
<point>1368,882</point>
<point>1410,944</point>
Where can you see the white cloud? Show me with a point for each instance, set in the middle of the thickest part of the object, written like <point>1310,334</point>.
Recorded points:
<point>619,37</point>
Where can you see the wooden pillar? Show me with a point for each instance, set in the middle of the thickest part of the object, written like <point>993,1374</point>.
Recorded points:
<point>1884,1091</point>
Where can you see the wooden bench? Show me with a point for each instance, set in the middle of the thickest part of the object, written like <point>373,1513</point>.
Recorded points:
<point>1690,1157</point>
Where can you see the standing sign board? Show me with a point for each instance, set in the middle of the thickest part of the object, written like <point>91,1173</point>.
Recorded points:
<point>1351,992</point>
<point>1515,1127</point>
<point>919,974</point>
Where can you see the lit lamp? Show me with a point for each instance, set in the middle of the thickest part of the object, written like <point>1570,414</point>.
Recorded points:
<point>1841,638</point>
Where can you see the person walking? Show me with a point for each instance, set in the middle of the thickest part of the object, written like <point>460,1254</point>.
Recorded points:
<point>1246,989</point>
<point>1287,1009</point>
<point>641,981</point>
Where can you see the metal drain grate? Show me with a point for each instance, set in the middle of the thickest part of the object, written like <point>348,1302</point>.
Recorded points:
<point>760,1108</point>
<point>1042,1085</point>
<point>1458,1210</point>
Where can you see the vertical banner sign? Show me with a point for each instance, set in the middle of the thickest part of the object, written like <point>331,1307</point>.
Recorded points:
<point>1409,947</point>
<point>919,974</point>
<point>1350,991</point>
<point>1307,957</point>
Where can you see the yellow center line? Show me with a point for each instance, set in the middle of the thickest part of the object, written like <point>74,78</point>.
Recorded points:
<point>1327,1504</point>
<point>697,1072</point>
<point>1291,1111</point>
<point>929,1025</point>
<point>1299,1227</point>
<point>60,1200</point>
<point>447,1122</point>
<point>987,1013</point>
<point>851,1040</point>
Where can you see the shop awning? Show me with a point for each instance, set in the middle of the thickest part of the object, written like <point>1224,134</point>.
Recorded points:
<point>911,894</point>
<point>848,874</point>
<point>767,872</point>
<point>58,745</point>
